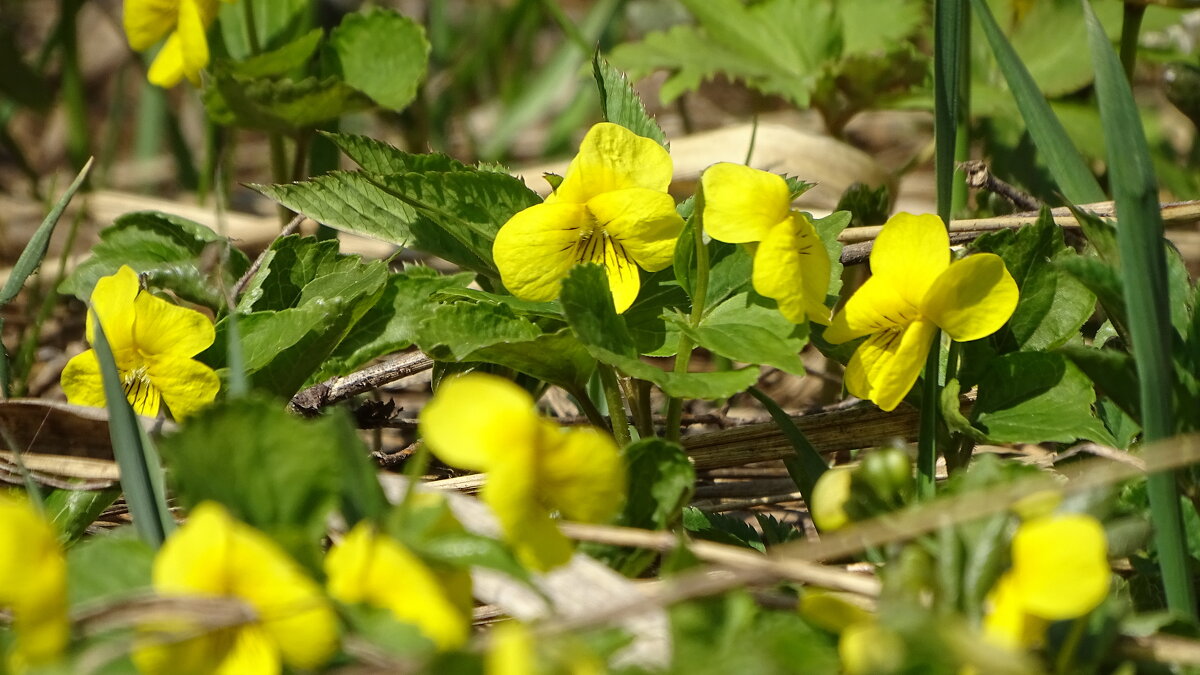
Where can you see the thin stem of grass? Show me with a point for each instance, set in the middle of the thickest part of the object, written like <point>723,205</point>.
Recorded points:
<point>588,408</point>
<point>1131,26</point>
<point>683,354</point>
<point>616,404</point>
<point>927,446</point>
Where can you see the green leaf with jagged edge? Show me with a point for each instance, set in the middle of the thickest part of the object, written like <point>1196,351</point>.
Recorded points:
<point>278,105</point>
<point>1053,304</point>
<point>391,324</point>
<point>174,253</point>
<point>377,157</point>
<point>748,328</point>
<point>587,305</point>
<point>721,528</point>
<point>453,331</point>
<point>381,53</point>
<point>558,358</point>
<point>288,59</point>
<point>648,319</point>
<point>621,103</point>
<point>1113,372</point>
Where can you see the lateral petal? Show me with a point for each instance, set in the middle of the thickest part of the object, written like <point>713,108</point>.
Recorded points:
<point>536,248</point>
<point>910,252</point>
<point>185,385</point>
<point>876,306</point>
<point>973,298</point>
<point>792,267</point>
<point>885,367</point>
<point>1060,566</point>
<point>147,21</point>
<point>583,475</point>
<point>191,30</point>
<point>168,67</point>
<point>161,327</point>
<point>643,221</point>
<point>476,420</point>
<point>623,279</point>
<point>252,652</point>
<point>612,157</point>
<point>81,380</point>
<point>512,493</point>
<point>742,204</point>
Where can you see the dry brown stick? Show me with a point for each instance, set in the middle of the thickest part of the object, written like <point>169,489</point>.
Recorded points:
<point>740,504</point>
<point>309,401</point>
<point>980,177</point>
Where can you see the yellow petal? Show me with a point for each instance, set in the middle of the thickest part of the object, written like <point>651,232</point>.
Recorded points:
<point>113,300</point>
<point>1007,624</point>
<point>193,42</point>
<point>147,21</point>
<point>791,266</point>
<point>623,279</point>
<point>583,475</point>
<point>868,648</point>
<point>512,493</point>
<point>168,67</point>
<point>829,498</point>
<point>875,306</point>
<point>81,380</point>
<point>536,248</point>
<point>973,298</point>
<point>185,385</point>
<point>642,221</point>
<point>742,204</point>
<point>885,367</point>
<point>476,419</point>
<point>910,252</point>
<point>34,574</point>
<point>163,328</point>
<point>612,157</point>
<point>512,651</point>
<point>830,610</point>
<point>364,567</point>
<point>253,653</point>
<point>1060,566</point>
<point>144,397</point>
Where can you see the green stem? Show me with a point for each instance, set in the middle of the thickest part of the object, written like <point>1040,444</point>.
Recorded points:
<point>251,27</point>
<point>962,136</point>
<point>643,418</point>
<point>683,355</point>
<point>1066,653</point>
<point>927,446</point>
<point>616,404</point>
<point>73,95</point>
<point>589,409</point>
<point>1131,25</point>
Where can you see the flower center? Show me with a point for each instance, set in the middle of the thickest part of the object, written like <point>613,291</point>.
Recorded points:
<point>140,391</point>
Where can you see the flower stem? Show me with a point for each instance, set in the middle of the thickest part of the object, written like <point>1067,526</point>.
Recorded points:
<point>683,355</point>
<point>927,445</point>
<point>616,404</point>
<point>588,408</point>
<point>251,27</point>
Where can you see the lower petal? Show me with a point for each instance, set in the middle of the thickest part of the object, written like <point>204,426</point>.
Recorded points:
<point>191,30</point>
<point>645,222</point>
<point>623,278</point>
<point>167,69</point>
<point>875,307</point>
<point>81,380</point>
<point>536,248</point>
<point>252,652</point>
<point>583,476</point>
<point>147,21</point>
<point>186,385</point>
<point>973,298</point>
<point>791,266</point>
<point>885,367</point>
<point>511,492</point>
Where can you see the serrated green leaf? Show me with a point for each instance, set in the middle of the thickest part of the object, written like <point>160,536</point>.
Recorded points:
<point>749,329</point>
<point>621,103</point>
<point>456,330</point>
<point>279,105</point>
<point>1113,372</point>
<point>380,53</point>
<point>721,528</point>
<point>278,62</point>
<point>871,27</point>
<point>558,358</point>
<point>377,157</point>
<point>1103,281</point>
<point>1034,397</point>
<point>169,250</point>
<point>647,319</point>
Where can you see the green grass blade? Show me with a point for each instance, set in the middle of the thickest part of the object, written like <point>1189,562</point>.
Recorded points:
<point>1144,277</point>
<point>948,36</point>
<point>1063,160</point>
<point>141,473</point>
<point>808,465</point>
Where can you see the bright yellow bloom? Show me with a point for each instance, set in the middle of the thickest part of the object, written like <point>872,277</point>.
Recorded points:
<point>184,24</point>
<point>512,651</point>
<point>153,342</point>
<point>791,265</point>
<point>914,290</point>
<point>1059,571</point>
<point>365,568</point>
<point>33,585</point>
<point>612,208</point>
<point>486,423</point>
<point>213,555</point>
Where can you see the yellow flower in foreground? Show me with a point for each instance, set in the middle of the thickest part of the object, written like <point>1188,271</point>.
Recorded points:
<point>486,423</point>
<point>213,555</point>
<point>1059,571</point>
<point>184,24</point>
<point>365,568</point>
<point>612,208</point>
<point>791,265</point>
<point>153,342</point>
<point>33,585</point>
<point>913,291</point>
<point>512,651</point>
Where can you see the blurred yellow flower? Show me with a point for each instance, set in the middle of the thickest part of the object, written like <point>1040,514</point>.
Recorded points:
<point>512,651</point>
<point>289,620</point>
<point>1059,571</point>
<point>486,423</point>
<point>913,291</point>
<point>612,208</point>
<point>184,24</point>
<point>791,266</point>
<point>33,585</point>
<point>365,567</point>
<point>153,342</point>
<point>829,498</point>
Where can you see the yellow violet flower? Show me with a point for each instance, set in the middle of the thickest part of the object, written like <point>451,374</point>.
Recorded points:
<point>913,291</point>
<point>486,423</point>
<point>215,556</point>
<point>184,24</point>
<point>791,265</point>
<point>153,342</point>
<point>365,567</point>
<point>612,208</point>
<point>1059,571</point>
<point>512,651</point>
<point>33,585</point>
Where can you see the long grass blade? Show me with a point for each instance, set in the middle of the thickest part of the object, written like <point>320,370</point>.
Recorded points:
<point>141,473</point>
<point>808,465</point>
<point>1144,278</point>
<point>1063,160</point>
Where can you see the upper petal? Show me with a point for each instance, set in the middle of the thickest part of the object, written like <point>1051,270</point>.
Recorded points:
<point>885,367</point>
<point>910,252</point>
<point>185,385</point>
<point>112,300</point>
<point>645,223</point>
<point>612,157</point>
<point>742,204</point>
<point>973,298</point>
<point>536,248</point>
<point>147,21</point>
<point>582,473</point>
<point>476,420</point>
<point>162,328</point>
<point>792,267</point>
<point>1060,566</point>
<point>874,307</point>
